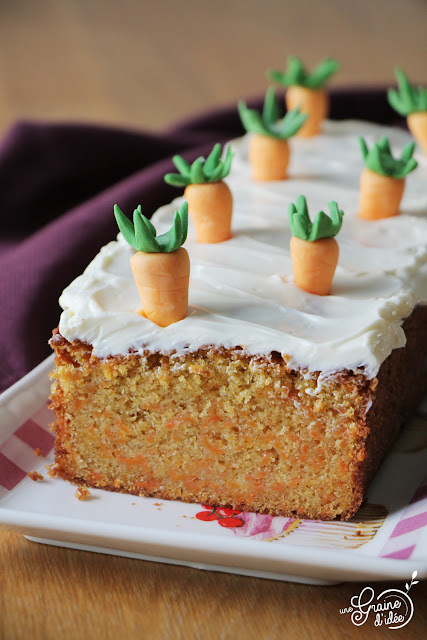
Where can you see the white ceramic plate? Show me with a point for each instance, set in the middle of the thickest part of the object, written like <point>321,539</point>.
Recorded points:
<point>386,540</point>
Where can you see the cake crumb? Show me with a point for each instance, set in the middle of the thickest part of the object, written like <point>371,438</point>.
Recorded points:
<point>158,504</point>
<point>83,493</point>
<point>132,503</point>
<point>35,475</point>
<point>38,452</point>
<point>50,470</point>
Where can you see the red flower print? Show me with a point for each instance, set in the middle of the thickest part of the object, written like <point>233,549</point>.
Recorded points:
<point>226,517</point>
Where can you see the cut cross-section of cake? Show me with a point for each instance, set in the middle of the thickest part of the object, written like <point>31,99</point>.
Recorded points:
<point>265,397</point>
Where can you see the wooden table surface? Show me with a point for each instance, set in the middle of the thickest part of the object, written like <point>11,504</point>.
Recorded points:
<point>146,64</point>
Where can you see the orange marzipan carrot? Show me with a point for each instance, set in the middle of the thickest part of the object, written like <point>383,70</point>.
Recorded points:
<point>210,206</point>
<point>162,280</point>
<point>417,123</point>
<point>314,264</point>
<point>269,157</point>
<point>315,102</point>
<point>380,196</point>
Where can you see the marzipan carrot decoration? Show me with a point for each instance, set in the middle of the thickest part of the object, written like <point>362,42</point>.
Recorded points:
<point>306,90</point>
<point>210,202</point>
<point>383,179</point>
<point>161,266</point>
<point>411,103</point>
<point>269,151</point>
<point>314,250</point>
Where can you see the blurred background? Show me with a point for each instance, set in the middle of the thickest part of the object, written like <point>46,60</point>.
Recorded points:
<point>148,63</point>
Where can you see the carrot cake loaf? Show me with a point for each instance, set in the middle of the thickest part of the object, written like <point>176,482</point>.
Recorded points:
<point>263,396</point>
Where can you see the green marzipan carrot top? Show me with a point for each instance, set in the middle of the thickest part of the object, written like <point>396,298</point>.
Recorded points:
<point>296,74</point>
<point>407,98</point>
<point>267,123</point>
<point>323,225</point>
<point>379,158</point>
<point>202,171</point>
<point>142,235</point>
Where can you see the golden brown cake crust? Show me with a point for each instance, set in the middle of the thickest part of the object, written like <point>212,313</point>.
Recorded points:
<point>226,429</point>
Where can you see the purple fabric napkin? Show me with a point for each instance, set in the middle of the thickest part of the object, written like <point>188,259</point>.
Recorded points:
<point>58,185</point>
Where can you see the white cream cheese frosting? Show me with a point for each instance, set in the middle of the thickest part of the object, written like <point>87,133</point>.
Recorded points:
<point>242,292</point>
